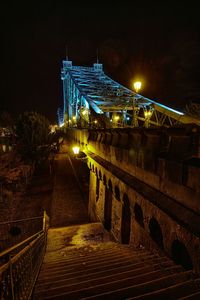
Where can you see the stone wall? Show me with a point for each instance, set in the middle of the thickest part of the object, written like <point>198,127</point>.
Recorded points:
<point>140,235</point>
<point>168,160</point>
<point>158,171</point>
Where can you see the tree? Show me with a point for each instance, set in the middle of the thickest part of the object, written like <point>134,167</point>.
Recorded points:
<point>33,136</point>
<point>6,120</point>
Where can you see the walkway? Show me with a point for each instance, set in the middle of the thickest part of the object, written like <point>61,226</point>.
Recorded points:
<point>81,263</point>
<point>68,206</point>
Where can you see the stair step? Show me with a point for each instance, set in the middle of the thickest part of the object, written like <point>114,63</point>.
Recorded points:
<point>114,292</point>
<point>139,268</point>
<point>195,296</point>
<point>109,271</point>
<point>79,255</point>
<point>185,290</point>
<point>54,290</point>
<point>137,290</point>
<point>85,270</point>
<point>85,266</point>
<point>95,258</point>
<point>96,262</point>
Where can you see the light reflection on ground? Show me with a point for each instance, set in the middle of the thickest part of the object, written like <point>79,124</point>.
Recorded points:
<point>82,238</point>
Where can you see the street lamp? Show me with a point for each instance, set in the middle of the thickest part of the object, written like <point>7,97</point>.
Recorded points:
<point>148,111</point>
<point>116,118</point>
<point>137,85</point>
<point>76,150</point>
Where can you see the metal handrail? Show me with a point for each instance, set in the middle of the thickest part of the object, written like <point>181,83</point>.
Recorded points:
<point>11,249</point>
<point>20,220</point>
<point>19,272</point>
<point>18,255</point>
<point>13,232</point>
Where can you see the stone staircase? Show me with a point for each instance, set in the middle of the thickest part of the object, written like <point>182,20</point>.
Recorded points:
<point>81,263</point>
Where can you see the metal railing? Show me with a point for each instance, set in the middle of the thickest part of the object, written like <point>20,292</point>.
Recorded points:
<point>15,231</point>
<point>20,265</point>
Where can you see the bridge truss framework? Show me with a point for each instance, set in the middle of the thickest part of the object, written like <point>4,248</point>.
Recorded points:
<point>92,99</point>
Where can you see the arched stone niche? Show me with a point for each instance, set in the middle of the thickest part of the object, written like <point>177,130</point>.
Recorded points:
<point>156,232</point>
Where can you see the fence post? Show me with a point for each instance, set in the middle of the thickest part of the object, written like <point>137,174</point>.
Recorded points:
<point>44,220</point>
<point>11,279</point>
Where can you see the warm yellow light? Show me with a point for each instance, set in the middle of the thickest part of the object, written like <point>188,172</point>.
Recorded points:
<point>62,124</point>
<point>69,121</point>
<point>76,149</point>
<point>116,118</point>
<point>148,113</point>
<point>95,121</point>
<point>74,118</point>
<point>137,85</point>
<point>84,112</point>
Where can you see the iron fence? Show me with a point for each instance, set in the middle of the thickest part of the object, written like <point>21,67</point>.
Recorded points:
<point>13,232</point>
<point>20,265</point>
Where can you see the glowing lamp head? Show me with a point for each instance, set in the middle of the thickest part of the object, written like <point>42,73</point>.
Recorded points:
<point>74,118</point>
<point>137,85</point>
<point>76,150</point>
<point>84,112</point>
<point>116,118</point>
<point>95,121</point>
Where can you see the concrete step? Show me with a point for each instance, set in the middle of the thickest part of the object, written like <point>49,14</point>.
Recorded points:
<point>76,254</point>
<point>84,269</point>
<point>122,288</point>
<point>139,268</point>
<point>140,289</point>
<point>59,288</point>
<point>195,296</point>
<point>93,257</point>
<point>95,262</point>
<point>185,290</point>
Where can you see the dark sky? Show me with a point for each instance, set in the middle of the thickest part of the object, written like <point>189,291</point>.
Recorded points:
<point>157,41</point>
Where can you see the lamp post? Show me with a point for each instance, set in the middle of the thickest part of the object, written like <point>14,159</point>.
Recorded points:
<point>76,150</point>
<point>148,111</point>
<point>137,85</point>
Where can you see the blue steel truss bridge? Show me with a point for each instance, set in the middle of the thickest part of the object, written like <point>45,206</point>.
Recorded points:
<point>94,100</point>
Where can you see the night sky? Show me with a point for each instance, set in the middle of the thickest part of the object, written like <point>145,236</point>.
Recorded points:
<point>159,43</point>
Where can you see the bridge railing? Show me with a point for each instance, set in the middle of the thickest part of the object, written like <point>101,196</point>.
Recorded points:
<point>20,265</point>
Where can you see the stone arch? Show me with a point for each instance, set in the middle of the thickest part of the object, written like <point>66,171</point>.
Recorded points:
<point>100,175</point>
<point>139,214</point>
<point>104,179</point>
<point>180,255</point>
<point>97,188</point>
<point>110,186</point>
<point>126,220</point>
<point>108,205</point>
<point>156,232</point>
<point>117,193</point>
<point>96,170</point>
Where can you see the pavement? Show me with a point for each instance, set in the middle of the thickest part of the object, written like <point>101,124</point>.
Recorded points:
<point>84,238</point>
<point>68,204</point>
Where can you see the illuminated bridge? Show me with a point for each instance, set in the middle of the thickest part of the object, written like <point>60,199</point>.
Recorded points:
<point>144,180</point>
<point>92,99</point>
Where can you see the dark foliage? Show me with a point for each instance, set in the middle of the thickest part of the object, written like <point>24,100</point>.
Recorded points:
<point>33,136</point>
